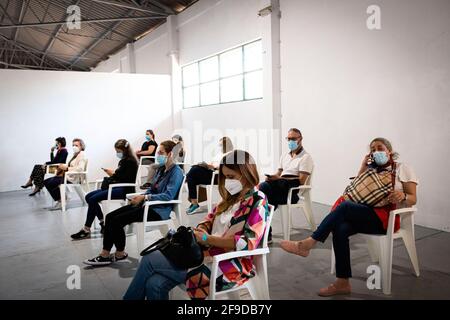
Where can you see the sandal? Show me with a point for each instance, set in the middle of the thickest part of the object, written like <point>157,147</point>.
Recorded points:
<point>332,290</point>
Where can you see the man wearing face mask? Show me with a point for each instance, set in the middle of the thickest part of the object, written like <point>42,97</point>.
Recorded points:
<point>76,164</point>
<point>294,170</point>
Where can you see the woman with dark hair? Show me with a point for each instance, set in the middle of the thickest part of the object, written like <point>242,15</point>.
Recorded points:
<point>237,223</point>
<point>125,173</point>
<point>76,164</point>
<point>165,186</point>
<point>148,147</point>
<point>202,174</point>
<point>38,173</point>
<point>348,217</point>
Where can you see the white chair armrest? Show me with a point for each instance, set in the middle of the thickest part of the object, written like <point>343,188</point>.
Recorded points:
<point>75,172</point>
<point>130,196</point>
<point>228,256</point>
<point>238,254</point>
<point>398,212</point>
<point>291,190</point>
<point>154,203</point>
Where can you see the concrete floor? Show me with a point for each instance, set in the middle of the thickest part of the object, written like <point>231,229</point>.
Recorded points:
<point>36,250</point>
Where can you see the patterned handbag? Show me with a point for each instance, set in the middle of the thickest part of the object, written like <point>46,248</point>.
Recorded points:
<point>371,187</point>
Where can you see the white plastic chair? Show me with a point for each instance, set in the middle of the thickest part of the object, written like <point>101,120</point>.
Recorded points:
<point>140,170</point>
<point>162,225</point>
<point>209,190</point>
<point>258,286</point>
<point>381,246</point>
<point>81,188</point>
<point>303,203</point>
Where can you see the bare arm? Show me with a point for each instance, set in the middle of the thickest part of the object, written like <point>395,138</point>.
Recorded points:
<point>410,189</point>
<point>148,152</point>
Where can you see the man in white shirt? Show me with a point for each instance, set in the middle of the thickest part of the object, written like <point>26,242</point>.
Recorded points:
<point>294,170</point>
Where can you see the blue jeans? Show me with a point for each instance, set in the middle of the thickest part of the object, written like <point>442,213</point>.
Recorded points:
<point>93,198</point>
<point>346,220</point>
<point>155,277</point>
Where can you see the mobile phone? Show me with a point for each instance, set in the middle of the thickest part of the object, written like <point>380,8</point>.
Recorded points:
<point>370,160</point>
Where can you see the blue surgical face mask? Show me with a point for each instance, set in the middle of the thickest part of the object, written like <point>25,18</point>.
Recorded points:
<point>161,159</point>
<point>292,145</point>
<point>119,155</point>
<point>147,137</point>
<point>380,157</point>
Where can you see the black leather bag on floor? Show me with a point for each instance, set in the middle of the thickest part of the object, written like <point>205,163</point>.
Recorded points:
<point>181,248</point>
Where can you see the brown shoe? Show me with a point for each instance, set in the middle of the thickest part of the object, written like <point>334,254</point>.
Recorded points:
<point>332,290</point>
<point>294,247</point>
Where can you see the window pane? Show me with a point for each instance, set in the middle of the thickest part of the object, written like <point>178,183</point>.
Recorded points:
<point>209,93</point>
<point>253,56</point>
<point>253,85</point>
<point>191,97</point>
<point>190,75</point>
<point>231,89</point>
<point>231,62</point>
<point>209,69</point>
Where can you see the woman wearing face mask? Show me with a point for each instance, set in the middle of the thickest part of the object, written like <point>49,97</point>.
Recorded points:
<point>165,186</point>
<point>237,223</point>
<point>125,173</point>
<point>348,218</point>
<point>148,147</point>
<point>202,174</point>
<point>77,164</point>
<point>38,173</point>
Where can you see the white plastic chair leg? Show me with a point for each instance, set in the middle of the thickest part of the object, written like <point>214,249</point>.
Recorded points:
<point>140,234</point>
<point>333,261</point>
<point>258,286</point>
<point>386,264</point>
<point>80,192</point>
<point>234,295</point>
<point>307,208</point>
<point>209,195</point>
<point>62,191</point>
<point>410,242</point>
<point>373,248</point>
<point>285,215</point>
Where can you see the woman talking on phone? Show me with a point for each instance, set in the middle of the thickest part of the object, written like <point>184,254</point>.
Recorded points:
<point>347,217</point>
<point>125,173</point>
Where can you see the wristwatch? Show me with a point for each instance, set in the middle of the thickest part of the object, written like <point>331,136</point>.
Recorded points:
<point>406,196</point>
<point>204,237</point>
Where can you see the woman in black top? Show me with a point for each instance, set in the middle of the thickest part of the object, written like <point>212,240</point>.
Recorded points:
<point>148,147</point>
<point>38,173</point>
<point>125,173</point>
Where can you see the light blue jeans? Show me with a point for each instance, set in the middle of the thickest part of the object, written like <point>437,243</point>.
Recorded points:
<point>155,277</point>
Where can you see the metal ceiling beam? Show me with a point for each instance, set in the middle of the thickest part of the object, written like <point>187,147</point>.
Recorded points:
<point>23,9</point>
<point>5,14</point>
<point>29,25</point>
<point>129,6</point>
<point>95,43</point>
<point>31,51</point>
<point>54,36</point>
<point>167,9</point>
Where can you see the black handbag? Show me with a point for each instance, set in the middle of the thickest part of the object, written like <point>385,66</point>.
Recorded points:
<point>105,183</point>
<point>180,247</point>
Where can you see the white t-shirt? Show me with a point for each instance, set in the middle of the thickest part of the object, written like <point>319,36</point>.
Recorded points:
<point>222,221</point>
<point>293,165</point>
<point>404,173</point>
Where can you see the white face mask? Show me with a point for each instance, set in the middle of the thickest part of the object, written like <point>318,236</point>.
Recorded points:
<point>233,186</point>
<point>76,149</point>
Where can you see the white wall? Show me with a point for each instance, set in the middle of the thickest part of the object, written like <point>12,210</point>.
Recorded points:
<point>343,85</point>
<point>38,106</point>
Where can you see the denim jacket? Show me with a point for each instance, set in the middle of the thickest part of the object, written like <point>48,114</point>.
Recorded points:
<point>165,186</point>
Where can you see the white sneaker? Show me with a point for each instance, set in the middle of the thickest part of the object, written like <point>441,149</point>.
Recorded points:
<point>57,206</point>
